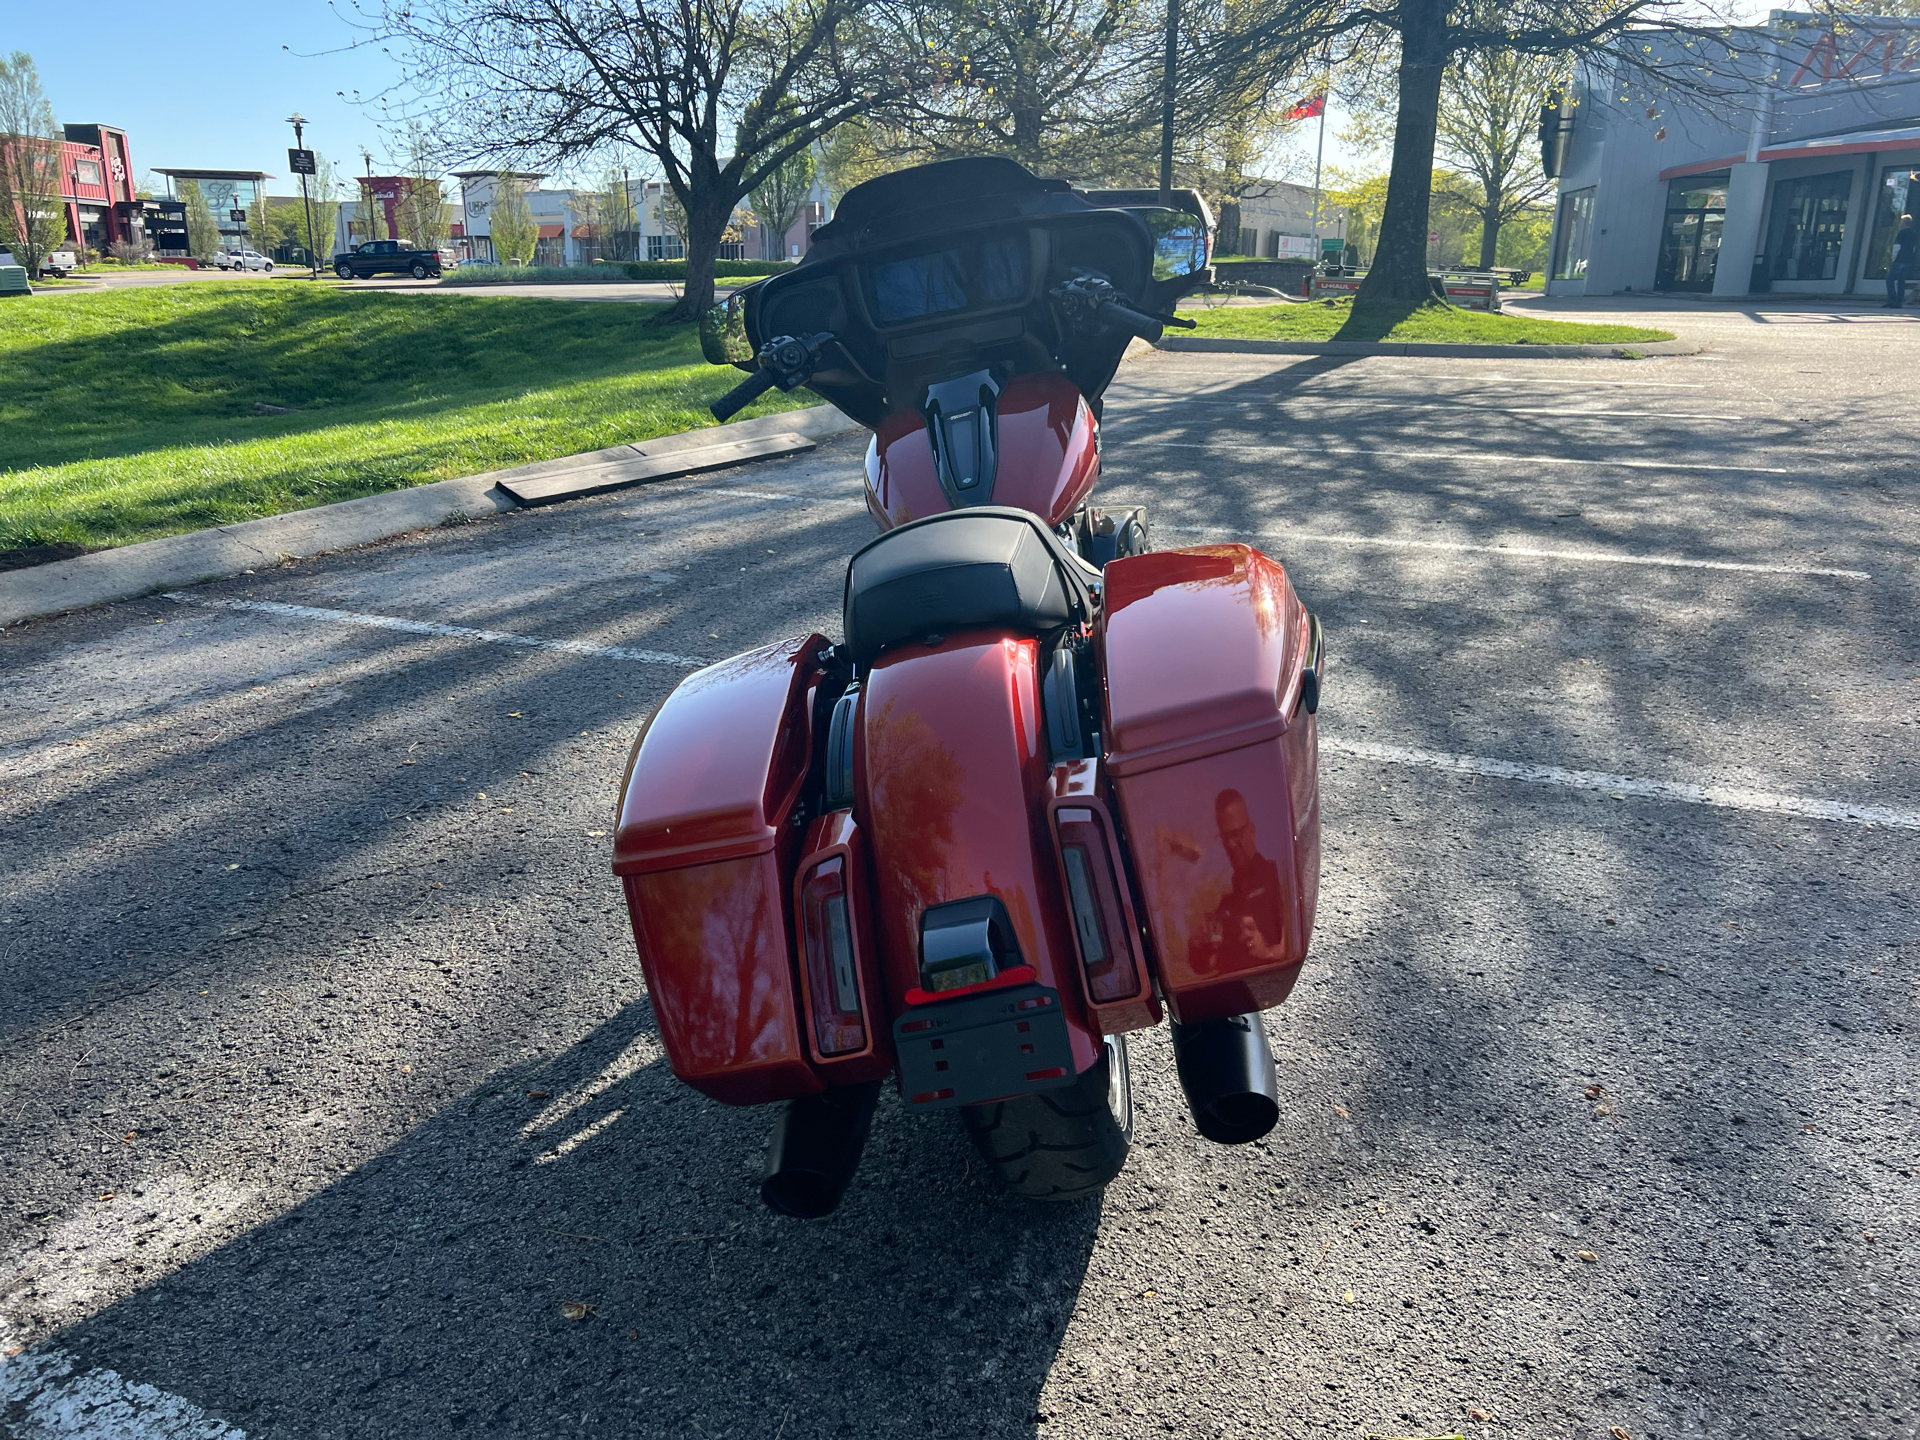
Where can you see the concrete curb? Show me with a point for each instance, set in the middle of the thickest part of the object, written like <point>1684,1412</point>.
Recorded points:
<point>176,560</point>
<point>1216,345</point>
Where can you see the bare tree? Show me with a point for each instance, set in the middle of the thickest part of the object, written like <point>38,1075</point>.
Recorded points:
<point>423,203</point>
<point>719,92</point>
<point>1063,86</point>
<point>33,216</point>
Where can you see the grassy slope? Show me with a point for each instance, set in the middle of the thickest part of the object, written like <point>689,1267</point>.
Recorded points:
<point>1336,320</point>
<point>128,414</point>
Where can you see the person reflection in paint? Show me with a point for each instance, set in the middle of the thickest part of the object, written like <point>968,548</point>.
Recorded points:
<point>1247,924</point>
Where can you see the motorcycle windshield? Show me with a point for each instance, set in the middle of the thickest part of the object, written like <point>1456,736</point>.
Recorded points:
<point>939,282</point>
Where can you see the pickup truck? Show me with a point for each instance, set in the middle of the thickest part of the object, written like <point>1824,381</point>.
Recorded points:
<point>386,257</point>
<point>59,264</point>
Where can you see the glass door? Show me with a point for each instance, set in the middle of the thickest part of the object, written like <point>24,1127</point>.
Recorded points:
<point>1809,226</point>
<point>1896,195</point>
<point>1690,242</point>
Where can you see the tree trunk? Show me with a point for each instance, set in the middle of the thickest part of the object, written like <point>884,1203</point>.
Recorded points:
<point>706,224</point>
<point>1399,273</point>
<point>1490,227</point>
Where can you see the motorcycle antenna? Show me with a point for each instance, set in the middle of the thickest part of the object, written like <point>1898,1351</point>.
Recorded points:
<point>1168,81</point>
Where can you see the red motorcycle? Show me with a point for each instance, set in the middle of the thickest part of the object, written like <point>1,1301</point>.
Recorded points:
<point>1049,784</point>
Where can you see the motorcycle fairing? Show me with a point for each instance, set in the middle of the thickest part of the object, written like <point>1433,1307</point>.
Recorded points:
<point>951,779</point>
<point>706,851</point>
<point>1046,440</point>
<point>1213,759</point>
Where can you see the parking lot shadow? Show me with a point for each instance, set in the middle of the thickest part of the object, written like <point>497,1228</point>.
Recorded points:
<point>559,1250</point>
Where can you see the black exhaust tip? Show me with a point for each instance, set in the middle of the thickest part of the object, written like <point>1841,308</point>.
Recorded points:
<point>816,1147</point>
<point>1226,1070</point>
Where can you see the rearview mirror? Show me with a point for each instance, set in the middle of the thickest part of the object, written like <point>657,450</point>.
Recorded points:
<point>723,332</point>
<point>1179,243</point>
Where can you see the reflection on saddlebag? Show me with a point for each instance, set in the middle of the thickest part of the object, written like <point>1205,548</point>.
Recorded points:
<point>1214,761</point>
<point>707,853</point>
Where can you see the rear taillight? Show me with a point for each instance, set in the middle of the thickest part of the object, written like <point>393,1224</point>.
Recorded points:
<point>1093,896</point>
<point>833,970</point>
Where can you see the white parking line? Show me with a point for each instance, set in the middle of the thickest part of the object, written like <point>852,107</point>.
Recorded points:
<point>1467,457</point>
<point>59,1400</point>
<point>1729,797</point>
<point>422,627</point>
<point>1725,796</point>
<point>1525,552</point>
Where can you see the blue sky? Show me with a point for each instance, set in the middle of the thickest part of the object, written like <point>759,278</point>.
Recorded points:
<point>208,85</point>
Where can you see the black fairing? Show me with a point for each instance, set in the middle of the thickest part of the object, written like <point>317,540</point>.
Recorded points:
<point>989,227</point>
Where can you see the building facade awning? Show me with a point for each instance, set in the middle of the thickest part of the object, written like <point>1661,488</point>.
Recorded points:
<point>1854,142</point>
<point>586,232</point>
<point>552,232</point>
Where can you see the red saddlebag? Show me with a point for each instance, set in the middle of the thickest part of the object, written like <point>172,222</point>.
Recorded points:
<point>707,854</point>
<point>1206,654</point>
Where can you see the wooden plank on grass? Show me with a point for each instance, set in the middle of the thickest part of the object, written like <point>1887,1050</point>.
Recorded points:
<point>605,475</point>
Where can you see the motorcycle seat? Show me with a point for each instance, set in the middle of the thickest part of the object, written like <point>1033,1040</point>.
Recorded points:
<point>960,570</point>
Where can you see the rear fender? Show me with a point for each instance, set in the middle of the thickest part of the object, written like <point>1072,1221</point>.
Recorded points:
<point>951,786</point>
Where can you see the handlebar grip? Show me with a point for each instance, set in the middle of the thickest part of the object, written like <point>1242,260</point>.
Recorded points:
<point>742,395</point>
<point>1131,321</point>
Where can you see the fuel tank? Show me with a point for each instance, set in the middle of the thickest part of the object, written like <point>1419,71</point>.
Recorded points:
<point>1211,746</point>
<point>952,786</point>
<point>1048,456</point>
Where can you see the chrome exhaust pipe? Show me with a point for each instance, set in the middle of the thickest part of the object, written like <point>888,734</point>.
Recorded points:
<point>816,1147</point>
<point>1226,1070</point>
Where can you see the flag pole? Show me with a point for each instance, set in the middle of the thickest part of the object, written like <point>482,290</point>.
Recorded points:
<point>1319,154</point>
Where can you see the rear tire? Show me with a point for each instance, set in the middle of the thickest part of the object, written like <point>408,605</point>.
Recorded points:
<point>419,270</point>
<point>1063,1144</point>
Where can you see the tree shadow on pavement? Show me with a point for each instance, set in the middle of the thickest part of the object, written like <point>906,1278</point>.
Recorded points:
<point>436,1281</point>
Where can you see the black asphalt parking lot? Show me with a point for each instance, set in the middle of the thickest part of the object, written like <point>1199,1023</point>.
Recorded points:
<point>331,1103</point>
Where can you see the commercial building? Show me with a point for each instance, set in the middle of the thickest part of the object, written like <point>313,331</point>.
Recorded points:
<point>1278,220</point>
<point>96,184</point>
<point>579,225</point>
<point>230,195</point>
<point>1784,170</point>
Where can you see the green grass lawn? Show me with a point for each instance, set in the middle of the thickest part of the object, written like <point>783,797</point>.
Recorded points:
<point>1337,320</point>
<point>129,414</point>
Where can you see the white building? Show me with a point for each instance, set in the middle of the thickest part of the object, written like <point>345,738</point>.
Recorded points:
<point>1277,220</point>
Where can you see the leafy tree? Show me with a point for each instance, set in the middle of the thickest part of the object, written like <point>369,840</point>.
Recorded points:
<point>33,216</point>
<point>510,222</point>
<point>1488,130</point>
<point>719,92</point>
<point>422,208</point>
<point>203,234</point>
<point>263,231</point>
<point>778,198</point>
<point>1429,37</point>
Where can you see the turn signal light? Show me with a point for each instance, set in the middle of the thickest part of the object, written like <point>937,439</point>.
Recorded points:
<point>1093,894</point>
<point>839,1027</point>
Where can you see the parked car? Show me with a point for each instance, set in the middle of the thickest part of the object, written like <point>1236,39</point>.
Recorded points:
<point>386,257</point>
<point>242,260</point>
<point>59,264</point>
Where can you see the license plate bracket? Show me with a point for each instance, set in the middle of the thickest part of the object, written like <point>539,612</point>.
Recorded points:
<point>977,1048</point>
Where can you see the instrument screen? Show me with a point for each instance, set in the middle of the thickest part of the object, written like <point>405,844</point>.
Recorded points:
<point>978,276</point>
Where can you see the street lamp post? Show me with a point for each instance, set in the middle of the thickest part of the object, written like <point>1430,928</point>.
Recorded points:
<point>298,121</point>
<point>1168,86</point>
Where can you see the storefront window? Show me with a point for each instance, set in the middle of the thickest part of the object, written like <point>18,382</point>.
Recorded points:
<point>1690,243</point>
<point>1572,235</point>
<point>1809,226</point>
<point>1896,195</point>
